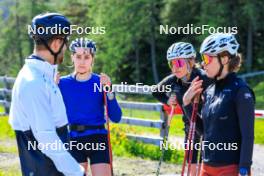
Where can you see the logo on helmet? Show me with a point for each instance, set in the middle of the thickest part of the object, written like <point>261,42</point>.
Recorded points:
<point>225,40</point>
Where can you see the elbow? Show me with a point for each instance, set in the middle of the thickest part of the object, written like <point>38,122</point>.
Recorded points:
<point>117,115</point>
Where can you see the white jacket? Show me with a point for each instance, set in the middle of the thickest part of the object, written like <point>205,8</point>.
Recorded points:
<point>37,104</point>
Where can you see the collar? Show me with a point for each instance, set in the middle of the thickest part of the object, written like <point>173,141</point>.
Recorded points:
<point>41,65</point>
<point>226,80</point>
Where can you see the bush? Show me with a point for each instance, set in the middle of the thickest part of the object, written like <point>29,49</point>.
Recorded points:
<point>122,146</point>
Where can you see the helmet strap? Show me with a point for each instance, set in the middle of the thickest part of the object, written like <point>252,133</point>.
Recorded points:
<point>189,71</point>
<point>220,69</point>
<point>55,54</point>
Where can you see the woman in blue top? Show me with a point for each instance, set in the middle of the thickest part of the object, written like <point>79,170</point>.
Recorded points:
<point>84,101</point>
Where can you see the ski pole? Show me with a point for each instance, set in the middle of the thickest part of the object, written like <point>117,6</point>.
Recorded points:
<point>198,164</point>
<point>165,138</point>
<point>108,134</point>
<point>190,138</point>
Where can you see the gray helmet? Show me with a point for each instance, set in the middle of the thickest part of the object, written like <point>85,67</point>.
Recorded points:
<point>181,50</point>
<point>217,43</point>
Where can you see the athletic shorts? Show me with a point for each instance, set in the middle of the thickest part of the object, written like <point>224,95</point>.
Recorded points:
<point>34,162</point>
<point>93,147</point>
<point>228,170</point>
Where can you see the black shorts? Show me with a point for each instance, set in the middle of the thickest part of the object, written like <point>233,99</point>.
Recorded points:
<point>34,162</point>
<point>93,147</point>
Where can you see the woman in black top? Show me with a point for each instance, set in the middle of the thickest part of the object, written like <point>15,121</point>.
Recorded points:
<point>181,57</point>
<point>228,110</point>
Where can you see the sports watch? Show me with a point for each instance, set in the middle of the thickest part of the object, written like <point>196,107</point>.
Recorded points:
<point>243,171</point>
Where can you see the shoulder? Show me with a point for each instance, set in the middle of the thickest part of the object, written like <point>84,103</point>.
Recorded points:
<point>30,86</point>
<point>95,76</point>
<point>64,80</point>
<point>201,73</point>
<point>244,89</point>
<point>169,79</point>
<point>238,83</point>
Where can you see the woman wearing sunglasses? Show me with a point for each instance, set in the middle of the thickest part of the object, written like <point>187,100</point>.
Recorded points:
<point>228,109</point>
<point>181,59</point>
<point>84,103</point>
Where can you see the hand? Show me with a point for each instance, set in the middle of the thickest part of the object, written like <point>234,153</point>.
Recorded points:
<point>105,79</point>
<point>57,78</point>
<point>172,100</point>
<point>194,90</point>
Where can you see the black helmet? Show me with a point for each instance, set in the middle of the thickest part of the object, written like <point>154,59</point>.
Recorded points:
<point>46,26</point>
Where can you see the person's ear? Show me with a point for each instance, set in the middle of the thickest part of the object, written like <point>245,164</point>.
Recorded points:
<point>224,60</point>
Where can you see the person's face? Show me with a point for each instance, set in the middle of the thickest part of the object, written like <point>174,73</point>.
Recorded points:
<point>179,67</point>
<point>83,60</point>
<point>211,65</point>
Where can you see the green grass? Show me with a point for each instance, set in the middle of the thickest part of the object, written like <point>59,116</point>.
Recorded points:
<point>6,130</point>
<point>176,124</point>
<point>10,172</point>
<point>259,92</point>
<point>8,149</point>
<point>259,135</point>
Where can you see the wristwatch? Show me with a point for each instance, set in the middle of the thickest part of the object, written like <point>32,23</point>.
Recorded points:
<point>110,95</point>
<point>243,171</point>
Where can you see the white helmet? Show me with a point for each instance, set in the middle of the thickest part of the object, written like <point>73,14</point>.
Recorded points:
<point>181,50</point>
<point>217,43</point>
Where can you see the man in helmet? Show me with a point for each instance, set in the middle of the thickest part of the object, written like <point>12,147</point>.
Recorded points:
<point>181,59</point>
<point>37,113</point>
<point>228,109</point>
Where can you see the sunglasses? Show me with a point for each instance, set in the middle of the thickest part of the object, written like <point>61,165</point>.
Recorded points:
<point>178,63</point>
<point>206,59</point>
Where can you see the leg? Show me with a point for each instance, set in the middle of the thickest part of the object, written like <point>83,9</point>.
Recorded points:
<point>194,169</point>
<point>33,161</point>
<point>85,166</point>
<point>101,169</point>
<point>228,170</point>
<point>203,171</point>
<point>99,157</point>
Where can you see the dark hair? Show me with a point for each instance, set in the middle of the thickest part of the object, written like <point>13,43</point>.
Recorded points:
<point>234,61</point>
<point>39,45</point>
